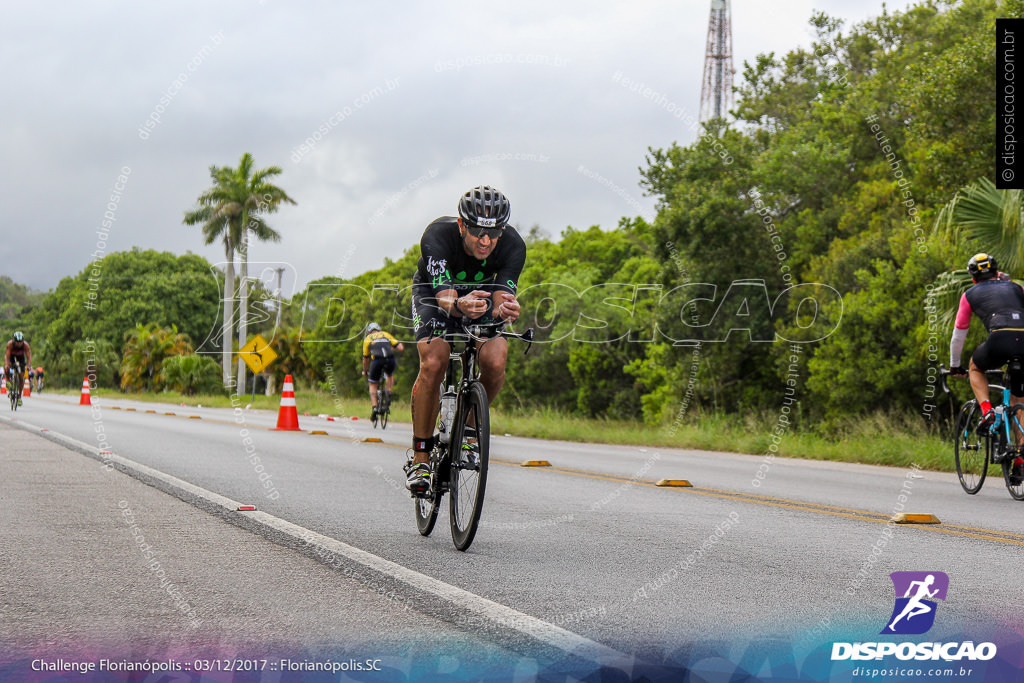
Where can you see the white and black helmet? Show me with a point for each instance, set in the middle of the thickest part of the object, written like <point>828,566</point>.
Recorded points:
<point>484,207</point>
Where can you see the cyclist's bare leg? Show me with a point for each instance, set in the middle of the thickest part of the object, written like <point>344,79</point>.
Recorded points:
<point>389,383</point>
<point>979,383</point>
<point>493,354</point>
<point>426,390</point>
<point>373,394</point>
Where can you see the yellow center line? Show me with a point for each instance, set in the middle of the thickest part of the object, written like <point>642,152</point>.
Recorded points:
<point>757,499</point>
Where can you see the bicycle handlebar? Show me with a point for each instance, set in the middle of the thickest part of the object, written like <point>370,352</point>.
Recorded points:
<point>474,330</point>
<point>944,372</point>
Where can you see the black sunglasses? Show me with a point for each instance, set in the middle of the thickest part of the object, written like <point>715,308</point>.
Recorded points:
<point>477,231</point>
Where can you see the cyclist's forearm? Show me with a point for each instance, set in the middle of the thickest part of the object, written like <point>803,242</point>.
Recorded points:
<point>956,346</point>
<point>446,300</point>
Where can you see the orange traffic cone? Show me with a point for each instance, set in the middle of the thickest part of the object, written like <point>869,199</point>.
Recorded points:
<point>3,387</point>
<point>27,389</point>
<point>288,415</point>
<point>85,400</point>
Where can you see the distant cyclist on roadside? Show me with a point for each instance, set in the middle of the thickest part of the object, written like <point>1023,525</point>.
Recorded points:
<point>39,378</point>
<point>999,303</point>
<point>17,357</point>
<point>379,358</point>
<point>469,267</point>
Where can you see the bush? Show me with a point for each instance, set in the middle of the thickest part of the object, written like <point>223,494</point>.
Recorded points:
<point>193,374</point>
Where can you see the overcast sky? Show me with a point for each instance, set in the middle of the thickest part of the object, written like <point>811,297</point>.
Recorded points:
<point>406,105</point>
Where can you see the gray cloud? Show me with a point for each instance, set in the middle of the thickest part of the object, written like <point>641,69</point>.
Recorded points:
<point>407,105</point>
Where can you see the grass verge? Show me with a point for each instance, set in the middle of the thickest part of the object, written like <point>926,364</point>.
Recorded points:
<point>877,440</point>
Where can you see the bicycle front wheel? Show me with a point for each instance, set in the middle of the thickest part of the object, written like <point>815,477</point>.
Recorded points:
<point>1013,463</point>
<point>470,444</point>
<point>970,450</point>
<point>426,512</point>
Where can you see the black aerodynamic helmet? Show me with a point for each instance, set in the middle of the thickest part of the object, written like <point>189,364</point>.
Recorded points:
<point>982,266</point>
<point>485,207</point>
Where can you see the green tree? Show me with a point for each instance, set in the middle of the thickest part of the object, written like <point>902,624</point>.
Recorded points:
<point>108,298</point>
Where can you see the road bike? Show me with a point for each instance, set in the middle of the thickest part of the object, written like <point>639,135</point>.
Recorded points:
<point>383,411</point>
<point>458,462</point>
<point>14,385</point>
<point>1002,443</point>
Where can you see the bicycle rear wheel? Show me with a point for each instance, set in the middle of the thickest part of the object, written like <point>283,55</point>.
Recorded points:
<point>1013,463</point>
<point>971,451</point>
<point>469,464</point>
<point>385,409</point>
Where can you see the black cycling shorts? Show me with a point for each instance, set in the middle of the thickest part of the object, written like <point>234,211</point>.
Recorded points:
<point>997,350</point>
<point>17,362</point>
<point>380,366</point>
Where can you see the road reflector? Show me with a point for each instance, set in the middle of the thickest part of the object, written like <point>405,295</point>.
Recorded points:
<point>195,417</point>
<point>910,518</point>
<point>150,411</point>
<point>535,463</point>
<point>246,508</point>
<point>115,407</point>
<point>130,409</point>
<point>318,431</point>
<point>168,413</point>
<point>674,482</point>
<point>373,439</point>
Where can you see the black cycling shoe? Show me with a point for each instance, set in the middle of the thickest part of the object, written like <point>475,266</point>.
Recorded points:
<point>1017,472</point>
<point>985,424</point>
<point>417,478</point>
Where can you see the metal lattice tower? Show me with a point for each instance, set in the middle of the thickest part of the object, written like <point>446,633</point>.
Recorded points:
<point>716,88</point>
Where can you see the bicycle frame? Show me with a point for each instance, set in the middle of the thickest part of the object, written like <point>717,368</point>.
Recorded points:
<point>1003,421</point>
<point>459,459</point>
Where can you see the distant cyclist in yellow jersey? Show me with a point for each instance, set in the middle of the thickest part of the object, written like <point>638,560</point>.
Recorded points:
<point>379,358</point>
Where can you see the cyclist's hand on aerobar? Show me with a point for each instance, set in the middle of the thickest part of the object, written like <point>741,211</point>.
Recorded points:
<point>507,308</point>
<point>474,304</point>
<point>958,371</point>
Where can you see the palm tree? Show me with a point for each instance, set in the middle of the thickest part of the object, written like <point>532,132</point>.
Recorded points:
<point>218,213</point>
<point>238,203</point>
<point>979,218</point>
<point>145,350</point>
<point>990,220</point>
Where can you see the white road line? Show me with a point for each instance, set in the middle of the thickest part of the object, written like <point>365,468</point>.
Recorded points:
<point>323,546</point>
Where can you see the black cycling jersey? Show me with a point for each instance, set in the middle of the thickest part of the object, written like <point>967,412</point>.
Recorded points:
<point>997,303</point>
<point>444,263</point>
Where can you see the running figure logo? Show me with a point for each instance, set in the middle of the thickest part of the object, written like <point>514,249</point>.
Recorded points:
<point>914,613</point>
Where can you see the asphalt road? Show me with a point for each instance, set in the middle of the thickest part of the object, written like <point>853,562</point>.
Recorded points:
<point>796,559</point>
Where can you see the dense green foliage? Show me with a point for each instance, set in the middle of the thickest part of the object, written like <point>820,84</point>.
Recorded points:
<point>841,158</point>
<point>192,374</point>
<point>108,299</point>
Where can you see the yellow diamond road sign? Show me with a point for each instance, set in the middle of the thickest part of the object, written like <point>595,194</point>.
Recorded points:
<point>257,354</point>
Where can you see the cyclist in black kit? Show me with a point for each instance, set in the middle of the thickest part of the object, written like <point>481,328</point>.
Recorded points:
<point>999,303</point>
<point>469,268</point>
<point>17,357</point>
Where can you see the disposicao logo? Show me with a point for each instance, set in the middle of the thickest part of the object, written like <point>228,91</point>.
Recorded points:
<point>913,614</point>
